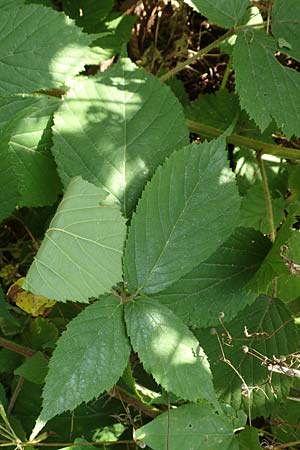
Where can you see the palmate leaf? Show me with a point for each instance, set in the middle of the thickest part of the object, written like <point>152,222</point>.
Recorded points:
<point>187,210</point>
<point>89,358</point>
<point>168,350</point>
<point>219,284</point>
<point>272,334</point>
<point>267,90</point>
<point>286,26</point>
<point>39,49</point>
<point>116,128</point>
<point>226,13</point>
<point>191,427</point>
<point>80,256</point>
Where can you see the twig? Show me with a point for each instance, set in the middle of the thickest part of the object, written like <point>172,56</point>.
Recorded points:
<point>245,387</point>
<point>294,267</point>
<point>15,395</point>
<point>148,410</point>
<point>287,445</point>
<point>17,348</point>
<point>34,242</point>
<point>269,17</point>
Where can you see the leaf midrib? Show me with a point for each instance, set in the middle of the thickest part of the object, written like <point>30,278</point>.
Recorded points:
<point>170,234</point>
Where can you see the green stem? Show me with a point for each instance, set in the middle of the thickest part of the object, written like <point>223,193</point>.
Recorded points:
<point>226,75</point>
<point>207,49</point>
<point>268,198</point>
<point>243,141</point>
<point>197,55</point>
<point>20,349</point>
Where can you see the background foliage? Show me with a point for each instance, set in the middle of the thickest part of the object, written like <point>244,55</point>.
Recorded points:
<point>150,204</point>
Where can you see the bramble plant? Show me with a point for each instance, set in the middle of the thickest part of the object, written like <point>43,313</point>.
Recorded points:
<point>167,282</point>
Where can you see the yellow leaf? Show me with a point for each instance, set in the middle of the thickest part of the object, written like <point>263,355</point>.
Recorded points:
<point>35,305</point>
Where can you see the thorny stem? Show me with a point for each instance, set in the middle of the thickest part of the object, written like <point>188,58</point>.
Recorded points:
<point>243,141</point>
<point>268,199</point>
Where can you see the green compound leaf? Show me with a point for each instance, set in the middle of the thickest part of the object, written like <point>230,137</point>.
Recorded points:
<point>25,127</point>
<point>33,369</point>
<point>293,181</point>
<point>169,350</point>
<point>277,336</point>
<point>217,110</point>
<point>80,256</point>
<point>6,5</point>
<point>9,195</point>
<point>28,171</point>
<point>220,110</point>
<point>117,29</point>
<point>226,13</point>
<point>89,14</point>
<point>253,209</point>
<point>89,358</point>
<point>116,128</point>
<point>248,439</point>
<point>179,221</point>
<point>267,90</point>
<point>40,49</point>
<point>83,421</point>
<point>9,325</point>
<point>275,267</point>
<point>286,26</point>
<point>219,284</point>
<point>285,421</point>
<point>192,427</point>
